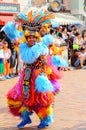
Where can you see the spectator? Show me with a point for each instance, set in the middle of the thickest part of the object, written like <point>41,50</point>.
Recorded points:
<point>70,47</point>
<point>65,52</point>
<point>64,34</point>
<point>77,60</point>
<point>12,61</point>
<point>1,62</point>
<point>59,31</point>
<point>73,30</point>
<point>83,53</point>
<point>77,43</point>
<point>19,63</point>
<point>12,58</point>
<point>84,38</point>
<point>7,55</point>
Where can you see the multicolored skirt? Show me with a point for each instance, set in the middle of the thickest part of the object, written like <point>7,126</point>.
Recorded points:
<point>33,91</point>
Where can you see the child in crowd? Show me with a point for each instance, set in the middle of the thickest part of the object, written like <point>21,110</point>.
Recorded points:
<point>7,55</point>
<point>1,62</point>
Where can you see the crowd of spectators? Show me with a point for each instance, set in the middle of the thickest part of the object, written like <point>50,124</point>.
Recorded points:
<point>72,42</point>
<point>10,61</point>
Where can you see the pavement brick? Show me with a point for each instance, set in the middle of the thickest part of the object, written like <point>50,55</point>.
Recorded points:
<point>69,109</point>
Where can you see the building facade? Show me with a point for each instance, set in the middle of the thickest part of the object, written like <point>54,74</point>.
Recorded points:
<point>78,8</point>
<point>74,7</point>
<point>8,10</point>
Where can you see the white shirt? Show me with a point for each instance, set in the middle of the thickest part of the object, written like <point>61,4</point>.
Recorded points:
<point>1,53</point>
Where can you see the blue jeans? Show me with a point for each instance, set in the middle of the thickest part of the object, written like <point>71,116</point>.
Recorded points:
<point>77,62</point>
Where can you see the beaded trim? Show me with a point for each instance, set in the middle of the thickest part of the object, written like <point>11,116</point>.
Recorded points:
<point>26,83</point>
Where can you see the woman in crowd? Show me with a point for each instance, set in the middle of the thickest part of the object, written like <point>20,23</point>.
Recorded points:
<point>84,38</point>
<point>78,41</point>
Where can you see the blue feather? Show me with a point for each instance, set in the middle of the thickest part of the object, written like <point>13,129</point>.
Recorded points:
<point>48,39</point>
<point>45,21</point>
<point>49,119</point>
<point>56,60</point>
<point>39,17</point>
<point>42,84</point>
<point>12,32</point>
<point>30,54</point>
<point>23,16</point>
<point>59,62</point>
<point>63,63</point>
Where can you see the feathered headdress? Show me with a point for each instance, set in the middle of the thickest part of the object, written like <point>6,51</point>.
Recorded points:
<point>29,24</point>
<point>34,20</point>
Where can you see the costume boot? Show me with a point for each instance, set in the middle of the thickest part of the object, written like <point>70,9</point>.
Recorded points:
<point>45,122</point>
<point>25,120</point>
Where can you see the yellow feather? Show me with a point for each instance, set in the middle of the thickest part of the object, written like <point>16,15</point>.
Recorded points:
<point>15,103</point>
<point>22,109</point>
<point>49,110</point>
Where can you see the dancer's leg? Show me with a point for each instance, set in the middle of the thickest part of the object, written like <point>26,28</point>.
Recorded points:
<point>46,116</point>
<point>25,119</point>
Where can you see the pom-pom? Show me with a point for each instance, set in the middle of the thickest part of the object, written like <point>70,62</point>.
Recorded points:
<point>43,84</point>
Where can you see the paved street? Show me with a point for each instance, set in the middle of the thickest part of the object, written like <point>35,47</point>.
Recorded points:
<point>69,110</point>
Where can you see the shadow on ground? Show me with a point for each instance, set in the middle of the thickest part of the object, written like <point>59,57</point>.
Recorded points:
<point>81,126</point>
<point>25,128</point>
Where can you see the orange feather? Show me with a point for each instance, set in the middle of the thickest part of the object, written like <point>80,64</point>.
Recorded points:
<point>47,17</point>
<point>36,17</point>
<point>30,16</point>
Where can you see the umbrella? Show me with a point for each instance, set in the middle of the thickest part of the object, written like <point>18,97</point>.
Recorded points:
<point>79,26</point>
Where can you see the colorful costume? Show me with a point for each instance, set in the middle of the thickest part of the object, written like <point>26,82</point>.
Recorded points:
<point>54,52</point>
<point>36,89</point>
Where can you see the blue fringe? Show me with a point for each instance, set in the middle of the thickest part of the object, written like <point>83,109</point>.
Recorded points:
<point>46,122</point>
<point>11,31</point>
<point>30,54</point>
<point>48,39</point>
<point>49,119</point>
<point>43,84</point>
<point>59,62</point>
<point>23,16</point>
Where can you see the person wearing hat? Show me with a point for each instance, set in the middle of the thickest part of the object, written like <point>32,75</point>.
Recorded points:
<point>36,88</point>
<point>1,62</point>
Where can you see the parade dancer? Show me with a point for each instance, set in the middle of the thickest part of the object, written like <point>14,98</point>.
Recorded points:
<point>35,91</point>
